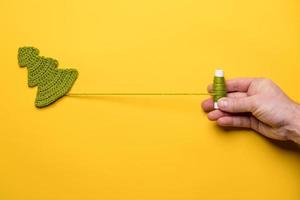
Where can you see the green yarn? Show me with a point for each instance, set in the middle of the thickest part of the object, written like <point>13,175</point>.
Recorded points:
<point>52,83</point>
<point>139,94</point>
<point>219,88</point>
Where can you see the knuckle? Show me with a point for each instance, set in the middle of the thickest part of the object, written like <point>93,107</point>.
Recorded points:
<point>253,103</point>
<point>244,122</point>
<point>235,87</point>
<point>254,124</point>
<point>267,81</point>
<point>237,122</point>
<point>233,105</point>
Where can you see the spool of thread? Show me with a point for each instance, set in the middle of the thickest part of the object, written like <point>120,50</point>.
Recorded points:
<point>219,87</point>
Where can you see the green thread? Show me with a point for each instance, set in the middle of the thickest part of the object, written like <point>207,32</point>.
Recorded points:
<point>219,91</point>
<point>137,94</point>
<point>219,88</point>
<point>52,83</point>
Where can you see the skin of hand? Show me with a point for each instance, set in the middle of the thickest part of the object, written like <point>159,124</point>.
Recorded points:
<point>258,104</point>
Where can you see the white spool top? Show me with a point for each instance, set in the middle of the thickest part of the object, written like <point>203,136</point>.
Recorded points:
<point>216,105</point>
<point>219,73</point>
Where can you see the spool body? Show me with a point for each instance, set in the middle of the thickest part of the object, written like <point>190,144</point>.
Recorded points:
<point>219,87</point>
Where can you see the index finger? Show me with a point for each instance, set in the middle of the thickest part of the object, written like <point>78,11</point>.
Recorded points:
<point>235,85</point>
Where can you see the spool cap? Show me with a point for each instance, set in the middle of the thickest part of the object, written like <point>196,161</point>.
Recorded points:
<point>219,73</point>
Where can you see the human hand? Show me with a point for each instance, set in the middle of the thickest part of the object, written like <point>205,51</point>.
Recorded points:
<point>259,104</point>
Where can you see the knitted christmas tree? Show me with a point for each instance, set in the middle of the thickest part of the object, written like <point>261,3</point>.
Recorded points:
<point>52,83</point>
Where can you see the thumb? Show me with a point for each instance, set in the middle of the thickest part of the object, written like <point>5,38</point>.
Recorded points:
<point>236,105</point>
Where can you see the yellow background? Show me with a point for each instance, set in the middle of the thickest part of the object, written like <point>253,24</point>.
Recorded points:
<point>141,148</point>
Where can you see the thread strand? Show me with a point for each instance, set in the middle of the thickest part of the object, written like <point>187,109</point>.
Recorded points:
<point>141,94</point>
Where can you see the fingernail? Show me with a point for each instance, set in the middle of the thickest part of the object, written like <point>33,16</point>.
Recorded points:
<point>222,103</point>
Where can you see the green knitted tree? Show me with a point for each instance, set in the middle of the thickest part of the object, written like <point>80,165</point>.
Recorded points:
<point>52,83</point>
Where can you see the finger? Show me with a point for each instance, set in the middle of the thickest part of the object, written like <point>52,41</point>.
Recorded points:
<point>210,88</point>
<point>216,114</point>
<point>208,105</point>
<point>238,84</point>
<point>250,122</point>
<point>237,105</point>
<point>235,121</point>
<point>237,94</point>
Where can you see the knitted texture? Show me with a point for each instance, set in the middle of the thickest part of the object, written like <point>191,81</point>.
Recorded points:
<point>52,83</point>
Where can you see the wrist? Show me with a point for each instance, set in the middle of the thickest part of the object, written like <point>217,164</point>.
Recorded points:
<point>293,127</point>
